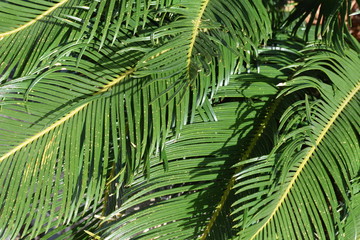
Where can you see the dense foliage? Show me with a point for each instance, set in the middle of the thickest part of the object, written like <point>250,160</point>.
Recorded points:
<point>179,119</point>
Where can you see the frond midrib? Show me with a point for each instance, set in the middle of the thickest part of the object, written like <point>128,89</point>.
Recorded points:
<point>39,17</point>
<point>195,31</point>
<point>257,135</point>
<point>321,136</point>
<point>66,117</point>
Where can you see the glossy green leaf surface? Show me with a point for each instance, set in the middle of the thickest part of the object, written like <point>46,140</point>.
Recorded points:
<point>178,119</point>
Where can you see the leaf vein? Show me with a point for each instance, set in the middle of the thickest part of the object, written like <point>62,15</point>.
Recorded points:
<point>321,136</point>
<point>65,118</point>
<point>39,17</point>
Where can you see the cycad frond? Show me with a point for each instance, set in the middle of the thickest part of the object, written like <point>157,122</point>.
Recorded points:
<point>307,184</point>
<point>129,119</point>
<point>82,116</point>
<point>49,146</point>
<point>199,33</point>
<point>76,125</point>
<point>24,14</point>
<point>261,139</point>
<point>48,24</point>
<point>330,17</point>
<point>177,203</point>
<point>37,23</point>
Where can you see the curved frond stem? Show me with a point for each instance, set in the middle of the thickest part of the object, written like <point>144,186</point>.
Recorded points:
<point>307,157</point>
<point>116,81</point>
<point>257,134</point>
<point>39,17</point>
<point>195,31</point>
<point>66,117</point>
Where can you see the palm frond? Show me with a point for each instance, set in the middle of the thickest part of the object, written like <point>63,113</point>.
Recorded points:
<point>199,35</point>
<point>49,24</point>
<point>37,23</point>
<point>24,14</point>
<point>331,20</point>
<point>156,207</point>
<point>75,124</point>
<point>52,229</point>
<point>46,155</point>
<point>306,184</point>
<point>133,119</point>
<point>81,118</point>
<point>178,202</point>
<point>260,140</point>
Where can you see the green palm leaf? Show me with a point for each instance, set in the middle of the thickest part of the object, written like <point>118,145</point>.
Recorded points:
<point>331,20</point>
<point>199,34</point>
<point>158,207</point>
<point>308,180</point>
<point>25,14</point>
<point>78,118</point>
<point>49,24</point>
<point>260,139</point>
<point>127,119</point>
<point>178,202</point>
<point>73,128</point>
<point>30,21</point>
<point>42,152</point>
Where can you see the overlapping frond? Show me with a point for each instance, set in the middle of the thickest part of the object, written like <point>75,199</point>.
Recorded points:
<point>44,25</point>
<point>74,125</point>
<point>330,18</point>
<point>36,23</point>
<point>123,119</point>
<point>23,14</point>
<point>178,202</point>
<point>55,142</point>
<point>77,117</point>
<point>185,202</point>
<point>202,36</point>
<point>260,140</point>
<point>307,185</point>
